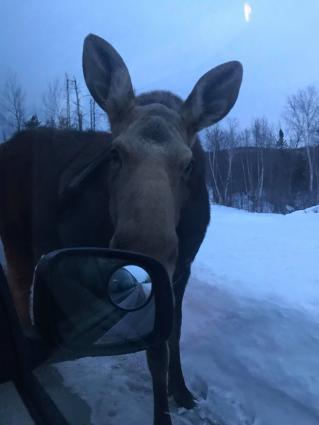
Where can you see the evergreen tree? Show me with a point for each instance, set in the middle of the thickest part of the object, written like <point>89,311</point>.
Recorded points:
<point>33,122</point>
<point>281,142</point>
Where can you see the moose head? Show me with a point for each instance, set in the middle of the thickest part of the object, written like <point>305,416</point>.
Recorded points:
<point>152,157</point>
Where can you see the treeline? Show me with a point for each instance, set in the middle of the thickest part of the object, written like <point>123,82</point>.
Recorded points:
<point>64,104</point>
<point>264,170</point>
<point>263,179</point>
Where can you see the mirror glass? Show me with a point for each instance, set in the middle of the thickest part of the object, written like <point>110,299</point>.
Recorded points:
<point>95,302</point>
<point>130,288</point>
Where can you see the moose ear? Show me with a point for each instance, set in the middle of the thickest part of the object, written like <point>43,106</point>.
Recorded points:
<point>107,77</point>
<point>213,96</point>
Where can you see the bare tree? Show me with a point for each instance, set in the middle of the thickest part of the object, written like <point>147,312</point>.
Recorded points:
<point>214,137</point>
<point>97,119</point>
<point>52,103</point>
<point>302,118</point>
<point>92,114</point>
<point>67,99</point>
<point>246,165</point>
<point>263,137</point>
<point>3,124</point>
<point>63,104</point>
<point>13,103</point>
<point>58,100</point>
<point>79,113</point>
<point>230,142</point>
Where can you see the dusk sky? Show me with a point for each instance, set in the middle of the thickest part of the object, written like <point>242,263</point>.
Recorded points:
<point>168,44</point>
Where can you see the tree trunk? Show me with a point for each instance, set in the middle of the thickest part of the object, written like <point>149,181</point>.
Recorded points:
<point>212,166</point>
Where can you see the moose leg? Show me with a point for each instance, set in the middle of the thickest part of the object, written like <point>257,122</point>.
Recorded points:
<point>177,387</point>
<point>20,274</point>
<point>157,358</point>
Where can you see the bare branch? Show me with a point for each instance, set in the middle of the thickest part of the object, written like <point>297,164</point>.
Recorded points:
<point>12,102</point>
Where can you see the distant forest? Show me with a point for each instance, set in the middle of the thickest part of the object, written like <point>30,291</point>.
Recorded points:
<point>262,168</point>
<point>263,179</point>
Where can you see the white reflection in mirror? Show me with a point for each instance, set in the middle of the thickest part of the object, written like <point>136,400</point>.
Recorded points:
<point>130,287</point>
<point>140,274</point>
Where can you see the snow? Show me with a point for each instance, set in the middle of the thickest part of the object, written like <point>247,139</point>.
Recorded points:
<point>271,256</point>
<point>250,334</point>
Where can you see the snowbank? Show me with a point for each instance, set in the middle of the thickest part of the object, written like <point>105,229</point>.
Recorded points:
<point>269,256</point>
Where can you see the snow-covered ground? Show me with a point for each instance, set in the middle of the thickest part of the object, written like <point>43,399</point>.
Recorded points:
<point>265,256</point>
<point>250,343</point>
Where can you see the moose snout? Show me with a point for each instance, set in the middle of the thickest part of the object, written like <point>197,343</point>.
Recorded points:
<point>163,246</point>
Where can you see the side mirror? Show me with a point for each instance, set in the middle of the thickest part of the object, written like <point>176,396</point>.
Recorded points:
<point>93,302</point>
<point>86,302</point>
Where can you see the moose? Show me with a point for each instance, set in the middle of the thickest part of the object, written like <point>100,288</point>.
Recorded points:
<point>139,188</point>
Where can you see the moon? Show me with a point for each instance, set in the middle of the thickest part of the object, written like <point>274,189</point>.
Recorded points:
<point>247,12</point>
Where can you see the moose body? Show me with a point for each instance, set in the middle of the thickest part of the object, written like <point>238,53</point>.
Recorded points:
<point>140,188</point>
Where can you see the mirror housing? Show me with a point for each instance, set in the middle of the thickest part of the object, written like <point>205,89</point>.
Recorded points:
<point>75,315</point>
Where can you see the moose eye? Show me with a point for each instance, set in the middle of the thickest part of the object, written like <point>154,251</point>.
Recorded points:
<point>189,168</point>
